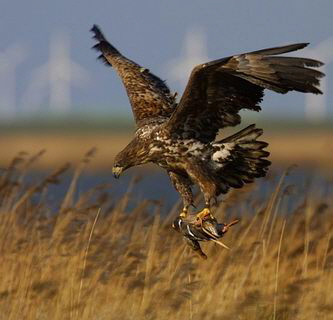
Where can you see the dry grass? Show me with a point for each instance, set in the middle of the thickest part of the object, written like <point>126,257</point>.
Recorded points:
<point>94,260</point>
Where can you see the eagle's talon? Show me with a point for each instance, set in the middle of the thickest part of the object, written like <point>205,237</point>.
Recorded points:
<point>203,215</point>
<point>183,214</point>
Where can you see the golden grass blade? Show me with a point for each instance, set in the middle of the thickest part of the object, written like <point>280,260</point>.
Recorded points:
<point>271,204</point>
<point>277,270</point>
<point>68,201</point>
<point>221,244</point>
<point>86,256</point>
<point>149,262</point>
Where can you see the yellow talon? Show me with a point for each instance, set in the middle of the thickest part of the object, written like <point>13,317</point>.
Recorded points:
<point>183,214</point>
<point>203,215</point>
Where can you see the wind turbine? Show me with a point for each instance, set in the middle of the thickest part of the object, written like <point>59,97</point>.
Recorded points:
<point>57,76</point>
<point>316,105</point>
<point>9,60</point>
<point>194,52</point>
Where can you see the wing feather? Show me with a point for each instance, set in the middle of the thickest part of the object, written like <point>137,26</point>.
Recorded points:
<point>149,96</point>
<point>218,90</point>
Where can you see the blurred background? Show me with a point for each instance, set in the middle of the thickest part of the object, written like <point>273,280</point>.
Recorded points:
<point>54,95</point>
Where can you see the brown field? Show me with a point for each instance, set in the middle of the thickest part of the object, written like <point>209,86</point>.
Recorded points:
<point>312,148</point>
<point>94,260</point>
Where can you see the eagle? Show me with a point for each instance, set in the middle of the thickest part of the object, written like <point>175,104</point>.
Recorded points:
<point>180,137</point>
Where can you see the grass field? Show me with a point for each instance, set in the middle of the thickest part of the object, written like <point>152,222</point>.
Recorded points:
<point>95,260</point>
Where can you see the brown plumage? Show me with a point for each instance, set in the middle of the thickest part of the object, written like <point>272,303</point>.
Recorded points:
<point>180,137</point>
<point>149,96</point>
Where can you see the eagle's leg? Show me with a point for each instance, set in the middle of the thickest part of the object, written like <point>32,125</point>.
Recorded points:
<point>203,215</point>
<point>201,174</point>
<point>183,185</point>
<point>184,212</point>
<point>209,190</point>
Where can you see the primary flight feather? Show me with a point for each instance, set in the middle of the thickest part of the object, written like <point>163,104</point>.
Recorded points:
<point>180,137</point>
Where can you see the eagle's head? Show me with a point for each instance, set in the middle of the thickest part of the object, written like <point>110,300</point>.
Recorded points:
<point>117,170</point>
<point>135,153</point>
<point>122,162</point>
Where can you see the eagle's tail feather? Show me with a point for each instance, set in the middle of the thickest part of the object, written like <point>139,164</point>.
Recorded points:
<point>247,159</point>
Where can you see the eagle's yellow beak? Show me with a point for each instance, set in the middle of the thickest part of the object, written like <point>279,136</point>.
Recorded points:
<point>116,171</point>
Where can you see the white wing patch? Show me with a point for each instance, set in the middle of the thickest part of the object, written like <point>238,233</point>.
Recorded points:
<point>223,152</point>
<point>194,147</point>
<point>154,149</point>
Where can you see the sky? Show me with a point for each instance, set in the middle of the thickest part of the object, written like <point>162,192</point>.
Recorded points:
<point>154,34</point>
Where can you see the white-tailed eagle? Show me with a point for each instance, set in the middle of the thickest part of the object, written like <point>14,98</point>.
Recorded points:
<point>180,136</point>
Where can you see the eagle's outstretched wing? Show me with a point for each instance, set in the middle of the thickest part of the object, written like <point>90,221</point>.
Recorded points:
<point>218,90</point>
<point>149,96</point>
